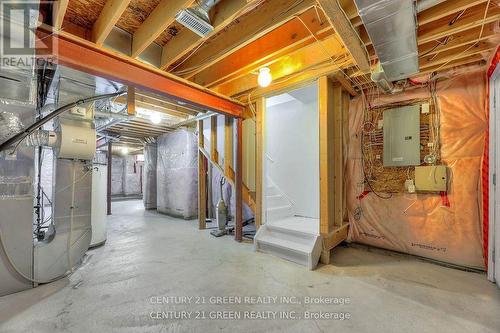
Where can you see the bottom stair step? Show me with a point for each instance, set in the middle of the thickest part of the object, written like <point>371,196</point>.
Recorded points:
<point>299,247</point>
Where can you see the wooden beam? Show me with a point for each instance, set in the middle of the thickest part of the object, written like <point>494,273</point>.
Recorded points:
<point>186,40</point>
<point>159,20</point>
<point>110,14</point>
<point>252,26</point>
<point>87,57</point>
<point>344,82</point>
<point>343,27</point>
<point>260,109</point>
<point>283,40</point>
<point>238,234</point>
<point>300,60</point>
<point>202,180</point>
<point>58,12</point>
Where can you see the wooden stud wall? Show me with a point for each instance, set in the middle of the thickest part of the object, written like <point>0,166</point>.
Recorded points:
<point>333,104</point>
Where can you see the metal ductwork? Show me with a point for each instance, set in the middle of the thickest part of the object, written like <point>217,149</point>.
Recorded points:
<point>197,19</point>
<point>392,28</point>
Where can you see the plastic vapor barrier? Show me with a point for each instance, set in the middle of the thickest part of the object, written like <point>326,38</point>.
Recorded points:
<point>117,175</point>
<point>228,195</point>
<point>150,162</point>
<point>132,176</point>
<point>177,174</point>
<point>443,227</point>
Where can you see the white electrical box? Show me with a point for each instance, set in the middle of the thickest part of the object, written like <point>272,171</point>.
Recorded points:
<point>433,178</point>
<point>402,136</point>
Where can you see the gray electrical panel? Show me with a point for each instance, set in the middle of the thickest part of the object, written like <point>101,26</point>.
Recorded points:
<point>402,136</point>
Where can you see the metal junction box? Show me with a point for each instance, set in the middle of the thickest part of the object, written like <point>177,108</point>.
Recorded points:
<point>402,136</point>
<point>431,178</point>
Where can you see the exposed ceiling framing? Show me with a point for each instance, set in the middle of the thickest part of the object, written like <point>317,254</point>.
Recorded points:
<point>299,40</point>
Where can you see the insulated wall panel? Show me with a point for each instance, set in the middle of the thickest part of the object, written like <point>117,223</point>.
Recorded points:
<point>177,174</point>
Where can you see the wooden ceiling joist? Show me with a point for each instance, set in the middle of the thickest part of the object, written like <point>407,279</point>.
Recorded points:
<point>300,60</point>
<point>58,12</point>
<point>462,52</point>
<point>285,39</point>
<point>445,9</point>
<point>186,40</point>
<point>442,28</point>
<point>109,16</point>
<point>457,40</point>
<point>252,26</point>
<point>345,31</point>
<point>159,20</point>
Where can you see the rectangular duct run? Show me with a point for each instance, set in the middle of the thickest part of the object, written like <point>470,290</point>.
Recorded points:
<point>391,25</point>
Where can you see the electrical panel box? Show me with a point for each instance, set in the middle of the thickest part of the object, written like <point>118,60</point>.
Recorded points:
<point>431,178</point>
<point>402,136</point>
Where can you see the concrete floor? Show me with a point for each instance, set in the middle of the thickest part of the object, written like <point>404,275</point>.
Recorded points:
<point>148,255</point>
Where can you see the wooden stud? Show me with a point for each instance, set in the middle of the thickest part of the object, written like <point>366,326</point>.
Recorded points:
<point>108,189</point>
<point>214,154</point>
<point>159,20</point>
<point>259,160</point>
<point>228,146</point>
<point>131,101</point>
<point>58,12</point>
<point>202,180</point>
<point>326,154</point>
<point>239,181</point>
<point>338,159</point>
<point>109,16</point>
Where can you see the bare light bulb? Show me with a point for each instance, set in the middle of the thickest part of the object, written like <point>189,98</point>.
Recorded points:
<point>265,78</point>
<point>155,118</point>
<point>124,150</point>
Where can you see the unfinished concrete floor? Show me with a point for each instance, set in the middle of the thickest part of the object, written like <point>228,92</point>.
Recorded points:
<point>149,255</point>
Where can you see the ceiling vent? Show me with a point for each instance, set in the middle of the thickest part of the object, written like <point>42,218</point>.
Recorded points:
<point>196,18</point>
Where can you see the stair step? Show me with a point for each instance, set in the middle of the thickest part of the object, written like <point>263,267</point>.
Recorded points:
<point>277,213</point>
<point>273,201</point>
<point>299,247</point>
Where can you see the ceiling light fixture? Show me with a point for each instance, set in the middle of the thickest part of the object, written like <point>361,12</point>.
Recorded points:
<point>265,78</point>
<point>155,118</point>
<point>124,150</point>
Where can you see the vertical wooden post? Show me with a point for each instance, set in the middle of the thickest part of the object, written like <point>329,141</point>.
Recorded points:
<point>108,190</point>
<point>239,181</point>
<point>327,203</point>
<point>259,160</point>
<point>213,140</point>
<point>332,112</point>
<point>228,147</point>
<point>131,101</point>
<point>202,180</point>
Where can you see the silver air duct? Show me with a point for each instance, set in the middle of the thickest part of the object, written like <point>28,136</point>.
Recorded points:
<point>391,25</point>
<point>196,18</point>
